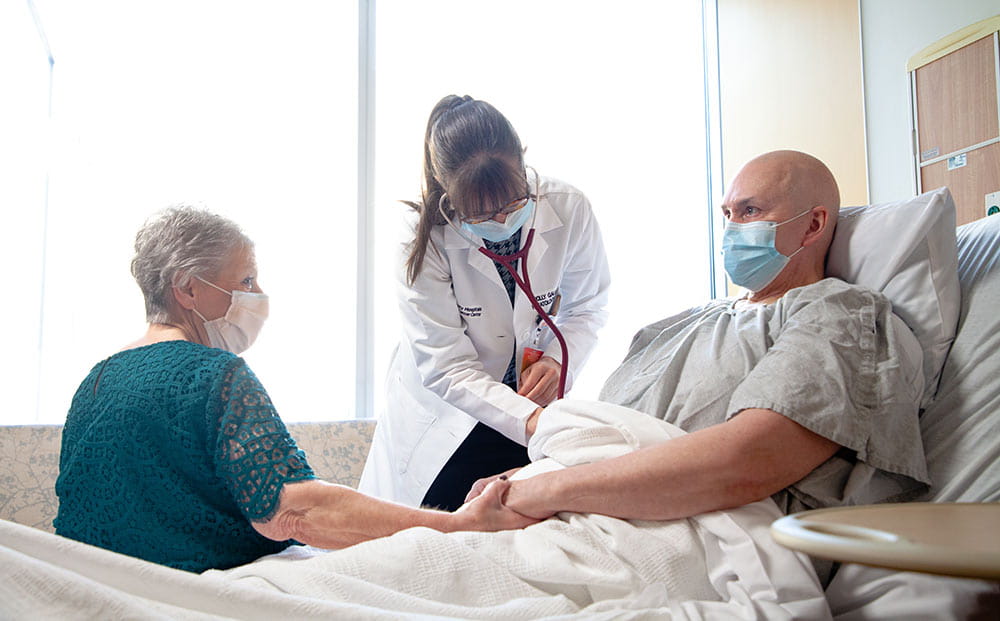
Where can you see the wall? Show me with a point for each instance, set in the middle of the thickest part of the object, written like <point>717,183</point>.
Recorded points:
<point>892,31</point>
<point>790,74</point>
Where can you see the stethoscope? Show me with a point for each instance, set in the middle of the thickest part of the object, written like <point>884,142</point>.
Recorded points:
<point>523,281</point>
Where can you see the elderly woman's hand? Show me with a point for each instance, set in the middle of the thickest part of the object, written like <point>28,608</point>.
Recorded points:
<point>478,487</point>
<point>488,512</point>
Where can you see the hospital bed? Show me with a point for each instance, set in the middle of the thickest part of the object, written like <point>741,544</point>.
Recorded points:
<point>945,285</point>
<point>960,426</point>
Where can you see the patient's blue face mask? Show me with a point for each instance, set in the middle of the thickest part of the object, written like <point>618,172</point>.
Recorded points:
<point>748,251</point>
<point>498,231</point>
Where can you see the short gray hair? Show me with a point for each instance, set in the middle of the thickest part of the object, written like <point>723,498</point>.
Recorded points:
<point>177,244</point>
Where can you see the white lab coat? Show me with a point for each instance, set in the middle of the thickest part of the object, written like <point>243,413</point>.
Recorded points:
<point>459,333</point>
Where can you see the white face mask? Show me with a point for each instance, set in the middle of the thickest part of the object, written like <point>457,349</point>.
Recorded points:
<point>236,330</point>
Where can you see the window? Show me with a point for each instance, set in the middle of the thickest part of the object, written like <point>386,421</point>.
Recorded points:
<point>246,107</point>
<point>252,109</point>
<point>25,70</point>
<point>606,96</point>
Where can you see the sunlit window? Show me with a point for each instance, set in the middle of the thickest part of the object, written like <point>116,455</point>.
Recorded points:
<point>606,96</point>
<point>251,108</point>
<point>245,107</point>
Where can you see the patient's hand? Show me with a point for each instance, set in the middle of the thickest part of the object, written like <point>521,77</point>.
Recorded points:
<point>487,512</point>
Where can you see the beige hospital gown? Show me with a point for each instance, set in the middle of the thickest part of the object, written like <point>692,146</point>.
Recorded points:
<point>831,356</point>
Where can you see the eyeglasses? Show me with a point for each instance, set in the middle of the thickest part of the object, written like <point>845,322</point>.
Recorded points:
<point>506,210</point>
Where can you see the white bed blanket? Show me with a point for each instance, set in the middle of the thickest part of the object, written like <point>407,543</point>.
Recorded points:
<point>721,565</point>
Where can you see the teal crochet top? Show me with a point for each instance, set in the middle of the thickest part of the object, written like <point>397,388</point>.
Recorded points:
<point>168,452</point>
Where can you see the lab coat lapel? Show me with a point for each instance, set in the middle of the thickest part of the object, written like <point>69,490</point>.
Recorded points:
<point>545,221</point>
<point>477,260</point>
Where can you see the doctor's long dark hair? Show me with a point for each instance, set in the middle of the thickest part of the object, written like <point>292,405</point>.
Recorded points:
<point>475,151</point>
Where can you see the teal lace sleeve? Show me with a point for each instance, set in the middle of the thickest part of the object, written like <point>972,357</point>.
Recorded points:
<point>255,455</point>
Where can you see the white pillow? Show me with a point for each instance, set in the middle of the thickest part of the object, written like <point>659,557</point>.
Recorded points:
<point>906,250</point>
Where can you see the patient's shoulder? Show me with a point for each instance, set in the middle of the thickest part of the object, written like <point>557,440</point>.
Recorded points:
<point>681,319</point>
<point>835,294</point>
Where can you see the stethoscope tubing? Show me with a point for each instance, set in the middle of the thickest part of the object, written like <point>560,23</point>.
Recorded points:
<point>524,284</point>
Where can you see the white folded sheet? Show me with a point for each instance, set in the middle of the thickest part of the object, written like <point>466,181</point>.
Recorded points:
<point>720,565</point>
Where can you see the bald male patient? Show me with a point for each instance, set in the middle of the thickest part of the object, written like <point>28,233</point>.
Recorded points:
<point>806,389</point>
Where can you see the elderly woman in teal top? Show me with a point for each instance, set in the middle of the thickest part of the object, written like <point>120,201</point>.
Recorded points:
<point>172,451</point>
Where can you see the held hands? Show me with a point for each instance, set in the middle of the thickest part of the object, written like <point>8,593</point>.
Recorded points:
<point>493,492</point>
<point>540,381</point>
<point>480,485</point>
<point>486,510</point>
<point>518,494</point>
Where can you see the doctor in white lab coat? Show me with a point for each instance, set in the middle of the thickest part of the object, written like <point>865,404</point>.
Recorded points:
<point>457,397</point>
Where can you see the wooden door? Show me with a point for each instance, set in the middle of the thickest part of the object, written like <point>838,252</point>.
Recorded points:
<point>957,121</point>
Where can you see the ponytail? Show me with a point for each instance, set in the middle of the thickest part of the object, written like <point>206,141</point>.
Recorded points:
<point>475,149</point>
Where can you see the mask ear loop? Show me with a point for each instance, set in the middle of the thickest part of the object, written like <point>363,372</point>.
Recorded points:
<point>537,198</point>
<point>457,229</point>
<point>796,218</point>
<point>213,285</point>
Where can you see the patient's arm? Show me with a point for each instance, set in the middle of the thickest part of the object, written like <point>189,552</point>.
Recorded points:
<point>751,456</point>
<point>333,516</point>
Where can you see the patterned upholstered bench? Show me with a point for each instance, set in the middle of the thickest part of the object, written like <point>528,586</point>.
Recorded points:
<point>29,463</point>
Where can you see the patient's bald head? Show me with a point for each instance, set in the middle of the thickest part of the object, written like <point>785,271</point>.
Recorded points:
<point>777,187</point>
<point>799,179</point>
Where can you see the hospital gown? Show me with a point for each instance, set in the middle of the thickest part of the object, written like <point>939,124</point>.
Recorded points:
<point>830,356</point>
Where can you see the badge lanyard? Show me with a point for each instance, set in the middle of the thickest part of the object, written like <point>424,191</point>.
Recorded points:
<point>524,282</point>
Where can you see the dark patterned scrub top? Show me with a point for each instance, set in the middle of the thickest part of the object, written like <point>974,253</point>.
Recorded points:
<point>505,248</point>
<point>168,452</point>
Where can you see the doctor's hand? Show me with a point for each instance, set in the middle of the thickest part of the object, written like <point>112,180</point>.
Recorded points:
<point>540,381</point>
<point>487,510</point>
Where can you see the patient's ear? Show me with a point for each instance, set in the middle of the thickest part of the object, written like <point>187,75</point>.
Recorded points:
<point>819,223</point>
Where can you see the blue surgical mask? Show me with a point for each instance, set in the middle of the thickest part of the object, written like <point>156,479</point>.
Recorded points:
<point>751,259</point>
<point>498,231</point>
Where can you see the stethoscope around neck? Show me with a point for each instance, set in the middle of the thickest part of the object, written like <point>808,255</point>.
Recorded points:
<point>523,281</point>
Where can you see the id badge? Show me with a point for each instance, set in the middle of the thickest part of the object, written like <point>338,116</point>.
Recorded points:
<point>528,358</point>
